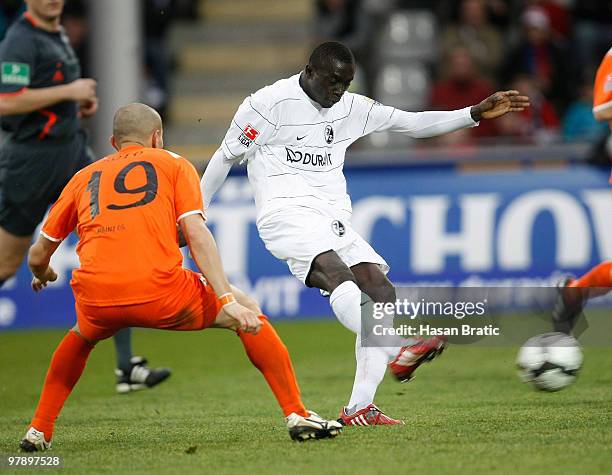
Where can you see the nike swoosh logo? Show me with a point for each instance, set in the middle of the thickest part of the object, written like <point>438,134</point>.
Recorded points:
<point>300,138</point>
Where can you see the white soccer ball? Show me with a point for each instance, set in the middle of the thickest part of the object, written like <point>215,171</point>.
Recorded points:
<point>550,361</point>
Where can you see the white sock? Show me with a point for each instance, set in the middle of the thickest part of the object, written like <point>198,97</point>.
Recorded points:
<point>371,366</point>
<point>371,361</point>
<point>345,301</point>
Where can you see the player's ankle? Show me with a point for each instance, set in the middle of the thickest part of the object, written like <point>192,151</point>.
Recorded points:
<point>44,427</point>
<point>299,410</point>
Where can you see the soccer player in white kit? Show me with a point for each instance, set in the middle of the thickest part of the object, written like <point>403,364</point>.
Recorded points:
<point>293,136</point>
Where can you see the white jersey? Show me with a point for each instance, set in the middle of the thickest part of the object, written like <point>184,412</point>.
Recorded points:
<point>295,148</point>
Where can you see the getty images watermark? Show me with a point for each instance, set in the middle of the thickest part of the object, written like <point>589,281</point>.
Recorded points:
<point>406,309</point>
<point>485,316</point>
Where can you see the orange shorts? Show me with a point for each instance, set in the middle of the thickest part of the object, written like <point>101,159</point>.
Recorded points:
<point>190,307</point>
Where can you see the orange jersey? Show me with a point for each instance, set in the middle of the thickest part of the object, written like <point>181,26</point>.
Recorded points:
<point>125,208</point>
<point>602,95</point>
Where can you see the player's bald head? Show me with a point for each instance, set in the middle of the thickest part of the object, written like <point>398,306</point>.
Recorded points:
<point>136,123</point>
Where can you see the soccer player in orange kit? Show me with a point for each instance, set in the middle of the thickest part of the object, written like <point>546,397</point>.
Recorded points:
<point>125,208</point>
<point>598,281</point>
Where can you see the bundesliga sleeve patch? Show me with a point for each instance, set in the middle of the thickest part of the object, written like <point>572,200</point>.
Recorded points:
<point>248,135</point>
<point>15,74</point>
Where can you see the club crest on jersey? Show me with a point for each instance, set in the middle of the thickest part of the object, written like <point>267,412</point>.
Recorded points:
<point>308,158</point>
<point>338,228</point>
<point>329,134</point>
<point>248,135</point>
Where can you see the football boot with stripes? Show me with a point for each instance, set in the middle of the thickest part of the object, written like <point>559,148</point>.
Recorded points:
<point>368,416</point>
<point>412,356</point>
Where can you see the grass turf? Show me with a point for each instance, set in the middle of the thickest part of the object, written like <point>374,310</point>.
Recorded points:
<point>466,412</point>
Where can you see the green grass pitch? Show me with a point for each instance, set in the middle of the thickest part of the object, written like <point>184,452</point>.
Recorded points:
<point>465,413</point>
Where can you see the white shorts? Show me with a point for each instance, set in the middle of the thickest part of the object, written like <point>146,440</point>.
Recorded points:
<point>298,235</point>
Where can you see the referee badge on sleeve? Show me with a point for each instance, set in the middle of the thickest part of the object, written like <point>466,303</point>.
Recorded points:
<point>15,74</point>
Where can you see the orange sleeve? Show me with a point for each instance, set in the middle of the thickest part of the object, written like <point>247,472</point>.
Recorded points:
<point>63,215</point>
<point>187,194</point>
<point>602,95</point>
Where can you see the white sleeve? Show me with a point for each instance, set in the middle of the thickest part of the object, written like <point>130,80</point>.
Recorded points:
<point>215,174</point>
<point>428,124</point>
<point>376,117</point>
<point>251,127</point>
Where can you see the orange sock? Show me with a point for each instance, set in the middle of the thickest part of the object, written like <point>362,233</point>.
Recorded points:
<point>598,276</point>
<point>66,367</point>
<point>269,355</point>
<point>598,280</point>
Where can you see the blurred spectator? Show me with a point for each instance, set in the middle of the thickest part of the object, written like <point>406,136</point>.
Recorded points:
<point>10,10</point>
<point>461,87</point>
<point>474,32</point>
<point>538,123</point>
<point>341,20</point>
<point>439,7</point>
<point>74,21</point>
<point>158,15</point>
<point>500,13</point>
<point>579,122</point>
<point>538,56</point>
<point>592,32</point>
<point>557,14</point>
<point>355,23</point>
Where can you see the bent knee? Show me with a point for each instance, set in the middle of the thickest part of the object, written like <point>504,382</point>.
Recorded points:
<point>329,280</point>
<point>246,300</point>
<point>340,276</point>
<point>77,332</point>
<point>250,303</point>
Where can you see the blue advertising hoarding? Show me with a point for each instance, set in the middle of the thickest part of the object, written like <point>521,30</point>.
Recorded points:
<point>434,226</point>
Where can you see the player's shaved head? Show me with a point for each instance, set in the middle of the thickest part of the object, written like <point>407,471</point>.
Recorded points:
<point>136,123</point>
<point>326,54</point>
<point>329,73</point>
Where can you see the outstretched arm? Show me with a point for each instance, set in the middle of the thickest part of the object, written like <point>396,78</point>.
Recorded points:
<point>499,104</point>
<point>434,123</point>
<point>215,174</point>
<point>427,124</point>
